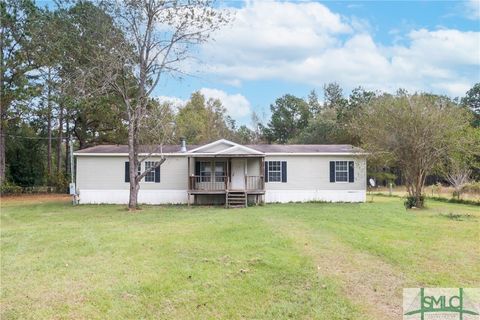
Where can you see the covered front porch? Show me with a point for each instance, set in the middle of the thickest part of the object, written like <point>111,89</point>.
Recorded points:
<point>226,174</point>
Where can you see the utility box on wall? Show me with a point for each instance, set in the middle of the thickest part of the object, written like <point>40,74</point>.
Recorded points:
<point>71,188</point>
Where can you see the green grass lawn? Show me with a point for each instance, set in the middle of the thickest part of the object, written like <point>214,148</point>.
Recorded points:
<point>310,261</point>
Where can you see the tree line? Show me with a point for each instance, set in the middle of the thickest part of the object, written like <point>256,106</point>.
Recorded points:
<point>83,73</point>
<point>87,70</point>
<point>409,135</point>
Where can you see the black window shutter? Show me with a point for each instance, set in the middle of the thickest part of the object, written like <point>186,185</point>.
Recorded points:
<point>157,174</point>
<point>284,171</point>
<point>351,173</point>
<point>266,171</point>
<point>197,168</point>
<point>332,171</point>
<point>127,171</point>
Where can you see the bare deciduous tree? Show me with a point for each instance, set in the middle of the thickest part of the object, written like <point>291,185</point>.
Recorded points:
<point>156,128</point>
<point>458,175</point>
<point>159,35</point>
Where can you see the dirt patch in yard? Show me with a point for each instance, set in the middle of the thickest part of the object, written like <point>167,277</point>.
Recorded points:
<point>35,198</point>
<point>370,283</point>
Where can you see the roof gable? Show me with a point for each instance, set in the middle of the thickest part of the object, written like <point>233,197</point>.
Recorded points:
<point>224,146</point>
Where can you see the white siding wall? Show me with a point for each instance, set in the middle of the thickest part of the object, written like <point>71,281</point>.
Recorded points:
<point>102,180</point>
<point>308,179</point>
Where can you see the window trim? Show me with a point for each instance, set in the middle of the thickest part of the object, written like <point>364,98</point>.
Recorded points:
<point>223,176</point>
<point>153,171</point>
<point>280,171</point>
<point>203,178</point>
<point>335,171</point>
<point>213,173</point>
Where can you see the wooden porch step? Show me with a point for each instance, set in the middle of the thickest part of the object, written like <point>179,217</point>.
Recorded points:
<point>236,199</point>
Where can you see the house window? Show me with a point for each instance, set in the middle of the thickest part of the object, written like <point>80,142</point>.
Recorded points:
<point>127,170</point>
<point>341,171</point>
<point>205,171</point>
<point>219,171</point>
<point>150,176</point>
<point>274,171</point>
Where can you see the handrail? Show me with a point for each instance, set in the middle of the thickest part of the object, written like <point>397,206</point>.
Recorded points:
<point>208,183</point>
<point>254,183</point>
<point>219,183</point>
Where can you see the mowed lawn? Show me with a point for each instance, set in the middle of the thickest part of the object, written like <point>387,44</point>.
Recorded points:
<point>291,261</point>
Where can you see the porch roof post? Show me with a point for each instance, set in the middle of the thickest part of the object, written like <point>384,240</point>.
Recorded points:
<point>188,177</point>
<point>262,172</point>
<point>245,173</point>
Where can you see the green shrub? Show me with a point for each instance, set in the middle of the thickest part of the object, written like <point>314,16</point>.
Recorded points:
<point>9,188</point>
<point>473,187</point>
<point>454,200</point>
<point>384,178</point>
<point>411,202</point>
<point>59,183</point>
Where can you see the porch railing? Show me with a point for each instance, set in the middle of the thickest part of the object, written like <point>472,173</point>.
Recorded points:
<point>220,183</point>
<point>208,183</point>
<point>254,183</point>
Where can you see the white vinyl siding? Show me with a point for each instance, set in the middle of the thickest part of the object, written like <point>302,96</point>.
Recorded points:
<point>107,173</point>
<point>313,173</point>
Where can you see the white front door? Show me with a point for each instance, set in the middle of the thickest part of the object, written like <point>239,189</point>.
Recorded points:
<point>238,174</point>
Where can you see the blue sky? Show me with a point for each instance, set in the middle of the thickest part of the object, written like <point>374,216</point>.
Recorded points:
<point>276,47</point>
<point>272,48</point>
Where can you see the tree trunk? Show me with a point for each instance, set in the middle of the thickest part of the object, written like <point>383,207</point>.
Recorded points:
<point>414,181</point>
<point>132,158</point>
<point>3,115</point>
<point>49,131</point>
<point>49,142</point>
<point>2,152</point>
<point>59,140</point>
<point>418,189</point>
<point>67,145</point>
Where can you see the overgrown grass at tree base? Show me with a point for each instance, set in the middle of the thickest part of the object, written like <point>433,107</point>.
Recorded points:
<point>290,261</point>
<point>409,202</point>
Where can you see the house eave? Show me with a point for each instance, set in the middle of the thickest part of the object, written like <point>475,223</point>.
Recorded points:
<point>216,155</point>
<point>316,153</point>
<point>96,154</point>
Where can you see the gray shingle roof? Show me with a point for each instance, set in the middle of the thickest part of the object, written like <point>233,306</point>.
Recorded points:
<point>305,148</point>
<point>119,148</point>
<point>265,148</point>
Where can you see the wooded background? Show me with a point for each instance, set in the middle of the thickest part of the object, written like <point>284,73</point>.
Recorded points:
<point>47,104</point>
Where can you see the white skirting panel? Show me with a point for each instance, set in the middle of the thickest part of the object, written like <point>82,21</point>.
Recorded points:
<point>144,196</point>
<point>315,195</point>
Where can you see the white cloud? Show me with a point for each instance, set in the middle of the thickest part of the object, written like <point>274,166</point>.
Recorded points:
<point>175,101</point>
<point>276,31</point>
<point>308,43</point>
<point>472,9</point>
<point>237,105</point>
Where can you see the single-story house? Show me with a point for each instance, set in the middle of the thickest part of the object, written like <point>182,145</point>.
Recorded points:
<point>224,172</point>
